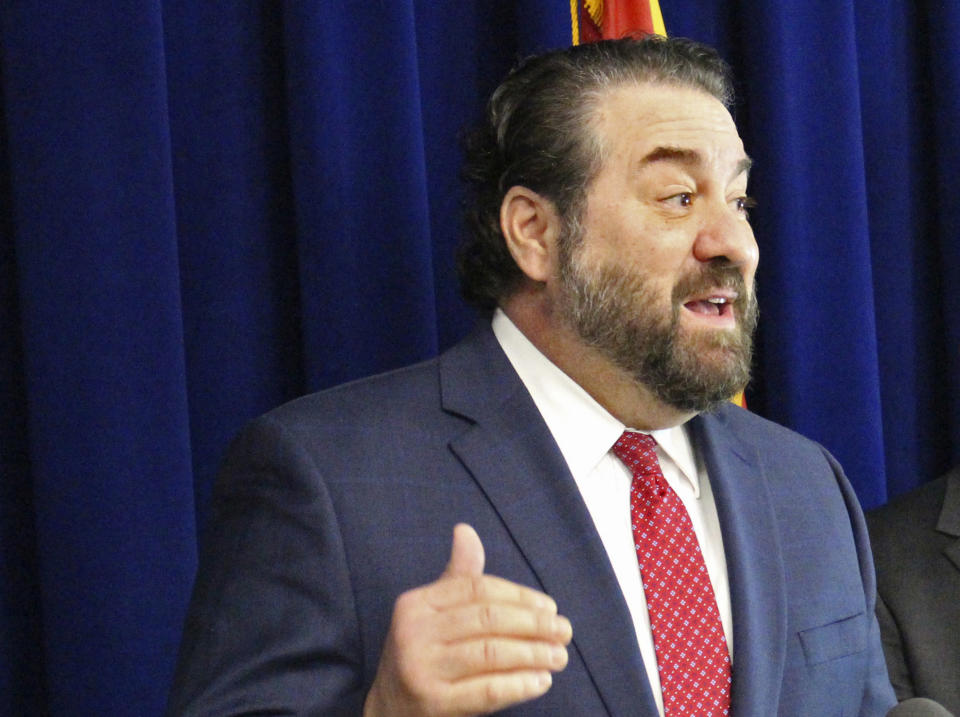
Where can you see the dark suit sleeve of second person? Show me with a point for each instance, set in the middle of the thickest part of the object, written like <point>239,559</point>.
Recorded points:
<point>893,649</point>
<point>272,626</point>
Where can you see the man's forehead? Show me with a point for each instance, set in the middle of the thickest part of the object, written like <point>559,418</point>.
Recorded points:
<point>665,122</point>
<point>652,97</point>
<point>664,115</point>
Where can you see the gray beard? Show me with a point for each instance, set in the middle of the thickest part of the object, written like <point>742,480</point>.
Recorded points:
<point>616,313</point>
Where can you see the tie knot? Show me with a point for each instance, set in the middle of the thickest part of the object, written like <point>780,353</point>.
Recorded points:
<point>638,452</point>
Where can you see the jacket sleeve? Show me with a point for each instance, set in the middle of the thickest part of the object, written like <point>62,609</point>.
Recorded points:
<point>272,625</point>
<point>878,695</point>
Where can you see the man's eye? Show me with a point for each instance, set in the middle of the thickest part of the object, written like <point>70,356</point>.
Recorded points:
<point>745,204</point>
<point>683,199</point>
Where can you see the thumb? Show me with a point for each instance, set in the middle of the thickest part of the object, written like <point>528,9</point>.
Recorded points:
<point>466,553</point>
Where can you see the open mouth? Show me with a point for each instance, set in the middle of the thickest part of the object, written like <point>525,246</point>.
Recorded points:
<point>718,305</point>
<point>713,306</point>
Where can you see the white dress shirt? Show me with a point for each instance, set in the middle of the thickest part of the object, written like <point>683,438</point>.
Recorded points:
<point>585,433</point>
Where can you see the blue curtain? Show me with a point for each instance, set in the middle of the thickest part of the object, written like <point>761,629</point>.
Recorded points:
<point>209,208</point>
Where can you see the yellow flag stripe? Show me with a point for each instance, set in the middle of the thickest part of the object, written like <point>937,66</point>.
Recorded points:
<point>658,27</point>
<point>575,20</point>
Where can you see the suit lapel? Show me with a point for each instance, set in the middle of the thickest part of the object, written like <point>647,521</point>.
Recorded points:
<point>949,520</point>
<point>513,457</point>
<point>754,567</point>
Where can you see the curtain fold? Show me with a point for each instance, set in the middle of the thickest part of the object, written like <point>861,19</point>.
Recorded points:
<point>894,73</point>
<point>236,225</point>
<point>816,284</point>
<point>94,237</point>
<point>943,57</point>
<point>360,190</point>
<point>209,209</point>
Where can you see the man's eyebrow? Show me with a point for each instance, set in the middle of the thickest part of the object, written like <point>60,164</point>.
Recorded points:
<point>689,157</point>
<point>679,155</point>
<point>743,166</point>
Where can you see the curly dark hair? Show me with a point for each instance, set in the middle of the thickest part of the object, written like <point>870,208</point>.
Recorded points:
<point>534,135</point>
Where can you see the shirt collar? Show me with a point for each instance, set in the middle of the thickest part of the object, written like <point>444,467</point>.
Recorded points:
<point>583,429</point>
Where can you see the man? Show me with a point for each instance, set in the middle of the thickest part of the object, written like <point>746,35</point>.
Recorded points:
<point>719,567</point>
<point>916,542</point>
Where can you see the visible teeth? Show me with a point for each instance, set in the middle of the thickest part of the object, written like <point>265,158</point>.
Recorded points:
<point>717,300</point>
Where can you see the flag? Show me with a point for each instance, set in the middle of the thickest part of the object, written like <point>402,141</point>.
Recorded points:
<point>594,20</point>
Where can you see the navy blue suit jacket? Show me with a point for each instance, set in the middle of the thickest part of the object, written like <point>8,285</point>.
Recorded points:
<point>331,506</point>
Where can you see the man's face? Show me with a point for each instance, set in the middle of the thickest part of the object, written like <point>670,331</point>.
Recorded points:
<point>659,275</point>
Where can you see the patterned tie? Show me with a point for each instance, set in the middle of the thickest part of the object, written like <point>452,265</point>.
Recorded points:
<point>692,657</point>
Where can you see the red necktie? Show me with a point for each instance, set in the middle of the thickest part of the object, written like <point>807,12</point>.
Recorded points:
<point>692,657</point>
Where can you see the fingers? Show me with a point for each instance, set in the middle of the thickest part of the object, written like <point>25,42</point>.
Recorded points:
<point>455,590</point>
<point>468,643</point>
<point>502,620</point>
<point>490,656</point>
<point>480,695</point>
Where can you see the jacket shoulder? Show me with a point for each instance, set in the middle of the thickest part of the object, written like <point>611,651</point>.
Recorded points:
<point>766,436</point>
<point>401,390</point>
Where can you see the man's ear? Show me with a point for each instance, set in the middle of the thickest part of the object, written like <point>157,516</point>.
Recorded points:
<point>530,225</point>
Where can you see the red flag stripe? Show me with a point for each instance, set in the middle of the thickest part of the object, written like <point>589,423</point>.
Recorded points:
<point>594,20</point>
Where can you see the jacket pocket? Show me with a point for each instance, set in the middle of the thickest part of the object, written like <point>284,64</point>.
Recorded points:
<point>846,636</point>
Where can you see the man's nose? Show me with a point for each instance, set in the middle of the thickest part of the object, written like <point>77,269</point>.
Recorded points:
<point>724,233</point>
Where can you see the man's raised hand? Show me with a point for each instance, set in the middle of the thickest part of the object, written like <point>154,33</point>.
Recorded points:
<point>468,643</point>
